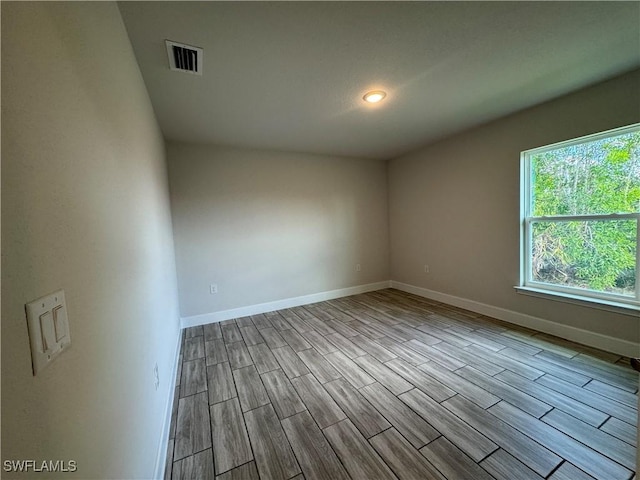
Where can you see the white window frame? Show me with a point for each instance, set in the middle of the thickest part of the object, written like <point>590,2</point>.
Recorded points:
<point>609,301</point>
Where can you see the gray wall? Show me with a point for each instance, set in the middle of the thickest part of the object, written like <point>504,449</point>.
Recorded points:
<point>85,207</point>
<point>267,226</point>
<point>455,205</point>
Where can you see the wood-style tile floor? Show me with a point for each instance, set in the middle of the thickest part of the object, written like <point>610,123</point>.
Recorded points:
<point>390,385</point>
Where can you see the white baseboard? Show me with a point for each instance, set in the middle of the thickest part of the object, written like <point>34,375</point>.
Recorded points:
<point>585,337</point>
<point>214,317</point>
<point>161,456</point>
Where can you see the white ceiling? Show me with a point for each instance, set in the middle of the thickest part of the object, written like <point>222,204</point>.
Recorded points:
<point>291,75</point>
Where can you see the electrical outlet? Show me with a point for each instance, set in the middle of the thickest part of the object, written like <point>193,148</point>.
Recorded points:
<point>358,267</point>
<point>156,377</point>
<point>213,289</point>
<point>426,268</point>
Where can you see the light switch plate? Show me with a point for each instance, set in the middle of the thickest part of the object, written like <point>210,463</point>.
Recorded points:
<point>48,329</point>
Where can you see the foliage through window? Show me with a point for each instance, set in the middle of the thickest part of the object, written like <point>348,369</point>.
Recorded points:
<point>581,217</point>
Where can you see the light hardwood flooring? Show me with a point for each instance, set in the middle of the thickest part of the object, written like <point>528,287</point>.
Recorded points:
<point>389,385</point>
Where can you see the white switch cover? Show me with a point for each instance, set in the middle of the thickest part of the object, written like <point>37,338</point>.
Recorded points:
<point>48,329</point>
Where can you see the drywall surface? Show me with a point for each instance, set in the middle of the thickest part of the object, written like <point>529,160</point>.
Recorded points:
<point>85,207</point>
<point>267,226</point>
<point>455,205</point>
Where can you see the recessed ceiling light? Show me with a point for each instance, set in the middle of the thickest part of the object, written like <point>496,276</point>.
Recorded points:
<point>374,97</point>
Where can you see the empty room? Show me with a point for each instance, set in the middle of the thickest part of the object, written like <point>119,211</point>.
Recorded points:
<point>320,240</point>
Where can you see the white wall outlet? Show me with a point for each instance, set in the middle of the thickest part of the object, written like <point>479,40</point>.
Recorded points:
<point>426,268</point>
<point>213,289</point>
<point>48,329</point>
<point>156,377</point>
<point>358,267</point>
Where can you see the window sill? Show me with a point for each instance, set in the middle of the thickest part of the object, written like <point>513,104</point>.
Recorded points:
<point>610,306</point>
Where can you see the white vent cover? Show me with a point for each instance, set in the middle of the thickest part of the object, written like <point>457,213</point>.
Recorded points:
<point>184,58</point>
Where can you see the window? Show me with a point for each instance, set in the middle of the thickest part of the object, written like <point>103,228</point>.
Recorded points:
<point>581,218</point>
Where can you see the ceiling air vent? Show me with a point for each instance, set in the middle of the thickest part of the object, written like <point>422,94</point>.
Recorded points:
<point>184,58</point>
